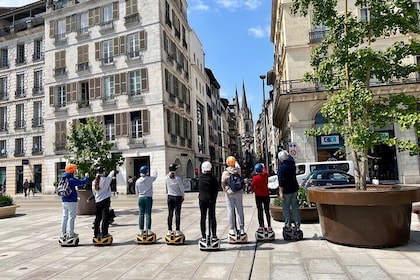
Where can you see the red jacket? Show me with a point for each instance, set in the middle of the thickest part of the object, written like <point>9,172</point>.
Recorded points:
<point>259,184</point>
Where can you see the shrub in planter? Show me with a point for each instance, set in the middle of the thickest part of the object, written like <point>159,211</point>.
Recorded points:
<point>307,209</point>
<point>5,200</point>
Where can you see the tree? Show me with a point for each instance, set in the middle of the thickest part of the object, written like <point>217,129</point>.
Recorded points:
<point>348,59</point>
<point>87,149</point>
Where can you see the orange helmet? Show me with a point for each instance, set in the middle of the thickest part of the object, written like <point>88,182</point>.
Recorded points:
<point>71,168</point>
<point>230,161</point>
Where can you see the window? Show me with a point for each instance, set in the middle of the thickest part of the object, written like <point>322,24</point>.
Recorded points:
<point>109,88</point>
<point>84,94</point>
<point>61,30</point>
<point>20,54</point>
<point>3,88</point>
<point>60,63</point>
<point>20,116</point>
<point>61,96</point>
<point>38,82</point>
<point>107,52</point>
<point>37,120</point>
<point>365,14</point>
<point>109,128</point>
<point>38,50</point>
<point>60,136</point>
<point>131,7</point>
<point>82,58</point>
<point>134,83</point>
<point>20,85</point>
<point>107,14</point>
<point>4,63</point>
<point>139,123</point>
<point>3,148</point>
<point>133,45</point>
<point>36,144</point>
<point>84,24</point>
<point>3,119</point>
<point>19,148</point>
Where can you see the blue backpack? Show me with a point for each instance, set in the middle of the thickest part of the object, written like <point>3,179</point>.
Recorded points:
<point>235,182</point>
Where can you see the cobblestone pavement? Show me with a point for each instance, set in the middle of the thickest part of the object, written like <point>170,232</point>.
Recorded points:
<point>29,248</point>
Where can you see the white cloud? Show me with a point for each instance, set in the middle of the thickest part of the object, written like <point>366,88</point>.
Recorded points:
<point>259,31</point>
<point>199,5</point>
<point>15,3</point>
<point>236,4</point>
<point>252,4</point>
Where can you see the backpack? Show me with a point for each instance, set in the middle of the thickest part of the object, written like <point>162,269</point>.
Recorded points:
<point>235,182</point>
<point>63,188</point>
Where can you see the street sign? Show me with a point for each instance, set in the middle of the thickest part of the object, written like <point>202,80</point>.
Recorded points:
<point>292,149</point>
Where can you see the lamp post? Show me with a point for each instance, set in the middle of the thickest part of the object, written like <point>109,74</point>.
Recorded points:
<point>262,77</point>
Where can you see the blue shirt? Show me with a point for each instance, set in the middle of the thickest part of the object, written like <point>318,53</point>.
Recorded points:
<point>73,183</point>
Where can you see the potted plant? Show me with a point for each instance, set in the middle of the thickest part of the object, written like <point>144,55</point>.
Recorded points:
<point>87,149</point>
<point>307,210</point>
<point>7,206</point>
<point>344,63</point>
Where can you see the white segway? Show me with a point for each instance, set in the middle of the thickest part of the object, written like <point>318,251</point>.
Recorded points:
<point>237,237</point>
<point>209,243</point>
<point>67,241</point>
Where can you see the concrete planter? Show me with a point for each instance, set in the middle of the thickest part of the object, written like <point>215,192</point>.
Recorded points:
<point>84,207</point>
<point>376,218</point>
<point>307,215</point>
<point>8,211</point>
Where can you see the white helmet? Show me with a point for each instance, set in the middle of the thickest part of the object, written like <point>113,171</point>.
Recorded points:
<point>283,155</point>
<point>206,167</point>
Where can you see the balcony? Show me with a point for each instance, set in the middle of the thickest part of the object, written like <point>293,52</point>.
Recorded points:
<point>315,36</point>
<point>107,61</point>
<point>133,55</point>
<point>106,26</point>
<point>60,71</point>
<point>20,93</point>
<point>83,104</point>
<point>3,126</point>
<point>132,19</point>
<point>174,139</point>
<point>84,66</point>
<point>19,153</point>
<point>37,122</point>
<point>3,153</point>
<point>20,60</point>
<point>37,57</point>
<point>39,90</point>
<point>83,33</point>
<point>20,124</point>
<point>4,96</point>
<point>60,38</point>
<point>36,151</point>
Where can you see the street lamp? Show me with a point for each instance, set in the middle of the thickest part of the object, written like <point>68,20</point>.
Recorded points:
<point>262,77</point>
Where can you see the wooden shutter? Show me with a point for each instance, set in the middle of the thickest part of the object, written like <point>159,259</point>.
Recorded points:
<point>97,87</point>
<point>97,51</point>
<point>91,17</point>
<point>79,54</point>
<point>115,10</point>
<point>117,84</point>
<point>143,40</point>
<point>92,89</point>
<point>123,80</point>
<point>121,124</point>
<point>144,79</point>
<point>51,89</point>
<point>122,45</point>
<point>68,24</point>
<point>52,28</point>
<point>145,121</point>
<point>73,92</point>
<point>116,47</point>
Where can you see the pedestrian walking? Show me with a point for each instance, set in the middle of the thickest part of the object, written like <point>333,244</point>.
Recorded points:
<point>25,187</point>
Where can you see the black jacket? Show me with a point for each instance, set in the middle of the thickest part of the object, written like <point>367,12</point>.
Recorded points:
<point>208,188</point>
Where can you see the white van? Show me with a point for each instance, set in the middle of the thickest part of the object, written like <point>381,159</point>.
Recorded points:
<point>306,168</point>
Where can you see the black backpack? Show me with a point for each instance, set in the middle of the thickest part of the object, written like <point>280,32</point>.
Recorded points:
<point>63,188</point>
<point>235,182</point>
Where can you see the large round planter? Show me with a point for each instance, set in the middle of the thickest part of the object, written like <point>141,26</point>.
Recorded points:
<point>8,211</point>
<point>376,218</point>
<point>307,215</point>
<point>84,207</point>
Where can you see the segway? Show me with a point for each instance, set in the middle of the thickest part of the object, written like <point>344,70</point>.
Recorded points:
<point>102,240</point>
<point>265,235</point>
<point>209,243</point>
<point>173,239</point>
<point>292,233</point>
<point>146,238</point>
<point>237,237</point>
<point>66,241</point>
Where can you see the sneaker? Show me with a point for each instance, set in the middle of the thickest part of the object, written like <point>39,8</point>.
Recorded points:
<point>242,231</point>
<point>141,232</point>
<point>169,232</point>
<point>150,232</point>
<point>232,232</point>
<point>214,238</point>
<point>203,239</point>
<point>270,229</point>
<point>287,228</point>
<point>260,230</point>
<point>178,233</point>
<point>73,235</point>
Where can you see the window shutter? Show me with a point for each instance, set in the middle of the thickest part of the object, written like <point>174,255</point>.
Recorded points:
<point>123,80</point>
<point>52,28</point>
<point>73,26</point>
<point>116,47</point>
<point>96,15</point>
<point>117,84</point>
<point>68,90</point>
<point>134,9</point>
<point>97,87</point>
<point>79,54</point>
<point>143,41</point>
<point>97,52</point>
<point>115,10</point>
<point>73,92</point>
<point>68,24</point>
<point>91,15</point>
<point>51,96</point>
<point>124,124</point>
<point>92,89</point>
<point>145,119</point>
<point>122,44</point>
<point>144,79</point>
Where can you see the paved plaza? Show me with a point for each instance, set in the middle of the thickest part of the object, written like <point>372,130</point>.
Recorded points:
<point>29,248</point>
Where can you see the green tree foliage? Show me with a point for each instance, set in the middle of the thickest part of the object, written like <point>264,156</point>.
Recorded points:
<point>347,59</point>
<point>87,148</point>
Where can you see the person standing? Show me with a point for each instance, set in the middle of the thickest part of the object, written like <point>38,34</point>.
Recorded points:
<point>144,190</point>
<point>101,189</point>
<point>289,188</point>
<point>175,191</point>
<point>31,188</point>
<point>233,195</point>
<point>26,187</point>
<point>131,185</point>
<point>69,203</point>
<point>207,195</point>
<point>259,186</point>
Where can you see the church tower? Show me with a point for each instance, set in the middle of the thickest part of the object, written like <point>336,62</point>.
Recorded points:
<point>246,132</point>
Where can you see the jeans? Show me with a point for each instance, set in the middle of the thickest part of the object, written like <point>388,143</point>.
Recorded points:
<point>234,201</point>
<point>211,208</point>
<point>145,210</point>
<point>174,203</point>
<point>102,215</point>
<point>291,199</point>
<point>263,205</point>
<point>69,216</point>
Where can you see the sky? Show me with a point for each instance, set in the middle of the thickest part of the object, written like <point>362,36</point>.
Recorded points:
<point>235,35</point>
